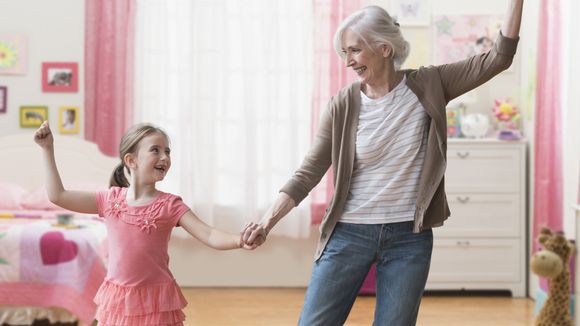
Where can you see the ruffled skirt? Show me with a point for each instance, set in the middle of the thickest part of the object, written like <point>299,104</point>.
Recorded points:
<point>145,305</point>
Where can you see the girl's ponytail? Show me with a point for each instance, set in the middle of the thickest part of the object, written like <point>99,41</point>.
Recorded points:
<point>118,178</point>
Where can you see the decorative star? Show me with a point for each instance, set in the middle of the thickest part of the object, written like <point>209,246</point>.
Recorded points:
<point>444,26</point>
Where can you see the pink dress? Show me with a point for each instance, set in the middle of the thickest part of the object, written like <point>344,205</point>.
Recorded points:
<point>139,289</point>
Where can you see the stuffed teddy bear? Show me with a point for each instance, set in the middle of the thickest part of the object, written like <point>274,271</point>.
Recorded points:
<point>552,263</point>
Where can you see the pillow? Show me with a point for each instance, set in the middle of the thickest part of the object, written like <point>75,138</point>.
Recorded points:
<point>38,199</point>
<point>11,195</point>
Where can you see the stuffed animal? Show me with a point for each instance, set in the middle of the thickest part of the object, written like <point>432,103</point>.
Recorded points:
<point>552,263</point>
<point>507,116</point>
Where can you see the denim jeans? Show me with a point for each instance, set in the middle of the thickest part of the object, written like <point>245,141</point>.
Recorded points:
<point>402,259</point>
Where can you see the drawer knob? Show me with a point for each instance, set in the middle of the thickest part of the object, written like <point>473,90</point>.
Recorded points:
<point>463,243</point>
<point>463,200</point>
<point>463,155</point>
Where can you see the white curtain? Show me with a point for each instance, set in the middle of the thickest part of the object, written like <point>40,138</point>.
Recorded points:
<point>231,83</point>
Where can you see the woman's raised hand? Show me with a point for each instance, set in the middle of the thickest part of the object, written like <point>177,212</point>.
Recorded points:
<point>43,135</point>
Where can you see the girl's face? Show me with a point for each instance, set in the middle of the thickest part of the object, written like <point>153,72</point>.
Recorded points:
<point>369,65</point>
<point>153,158</point>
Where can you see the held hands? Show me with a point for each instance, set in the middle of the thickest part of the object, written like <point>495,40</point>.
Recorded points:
<point>43,136</point>
<point>252,236</point>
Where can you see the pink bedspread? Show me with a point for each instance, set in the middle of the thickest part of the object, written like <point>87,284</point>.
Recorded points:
<point>50,266</point>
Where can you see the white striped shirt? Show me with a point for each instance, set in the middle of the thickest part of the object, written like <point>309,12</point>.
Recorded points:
<point>390,150</point>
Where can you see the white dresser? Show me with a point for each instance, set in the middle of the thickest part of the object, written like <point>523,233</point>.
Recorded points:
<point>482,245</point>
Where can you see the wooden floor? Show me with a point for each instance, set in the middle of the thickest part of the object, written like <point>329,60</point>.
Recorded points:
<point>279,307</point>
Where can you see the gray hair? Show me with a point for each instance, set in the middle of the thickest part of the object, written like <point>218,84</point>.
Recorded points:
<point>375,27</point>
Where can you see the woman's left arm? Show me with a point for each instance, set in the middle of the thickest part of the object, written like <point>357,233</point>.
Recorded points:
<point>513,19</point>
<point>460,77</point>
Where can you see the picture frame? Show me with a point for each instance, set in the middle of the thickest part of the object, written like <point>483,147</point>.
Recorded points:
<point>3,99</point>
<point>13,54</point>
<point>68,120</point>
<point>60,77</point>
<point>458,37</point>
<point>412,12</point>
<point>33,116</point>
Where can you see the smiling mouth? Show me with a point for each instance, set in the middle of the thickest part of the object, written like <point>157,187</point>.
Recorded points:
<point>161,168</point>
<point>360,70</point>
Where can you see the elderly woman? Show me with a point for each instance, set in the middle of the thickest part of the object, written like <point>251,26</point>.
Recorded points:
<point>385,137</point>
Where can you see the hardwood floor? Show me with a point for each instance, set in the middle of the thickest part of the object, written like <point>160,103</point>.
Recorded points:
<point>280,307</point>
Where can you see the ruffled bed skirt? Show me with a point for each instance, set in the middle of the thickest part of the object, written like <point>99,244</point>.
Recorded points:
<point>156,304</point>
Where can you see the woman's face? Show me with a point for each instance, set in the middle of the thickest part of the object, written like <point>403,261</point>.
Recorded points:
<point>370,66</point>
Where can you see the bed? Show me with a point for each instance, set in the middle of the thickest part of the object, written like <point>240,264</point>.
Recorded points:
<point>49,271</point>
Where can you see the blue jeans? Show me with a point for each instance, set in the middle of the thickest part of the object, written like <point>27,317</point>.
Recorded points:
<point>402,259</point>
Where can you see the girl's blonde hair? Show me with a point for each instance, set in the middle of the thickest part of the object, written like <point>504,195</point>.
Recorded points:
<point>375,27</point>
<point>129,145</point>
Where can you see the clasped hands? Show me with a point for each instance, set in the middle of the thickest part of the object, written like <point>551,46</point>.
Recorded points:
<point>253,234</point>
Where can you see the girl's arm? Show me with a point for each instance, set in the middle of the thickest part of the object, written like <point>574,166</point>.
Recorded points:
<point>209,236</point>
<point>78,201</point>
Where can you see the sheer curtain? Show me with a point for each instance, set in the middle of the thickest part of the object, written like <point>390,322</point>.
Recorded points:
<point>231,83</point>
<point>548,178</point>
<point>330,75</point>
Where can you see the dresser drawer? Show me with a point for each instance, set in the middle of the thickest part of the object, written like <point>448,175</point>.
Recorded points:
<point>469,260</point>
<point>483,215</point>
<point>495,170</point>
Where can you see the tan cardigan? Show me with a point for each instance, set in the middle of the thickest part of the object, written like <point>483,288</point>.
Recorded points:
<point>334,143</point>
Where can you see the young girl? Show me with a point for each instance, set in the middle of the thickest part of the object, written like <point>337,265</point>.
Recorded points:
<point>139,288</point>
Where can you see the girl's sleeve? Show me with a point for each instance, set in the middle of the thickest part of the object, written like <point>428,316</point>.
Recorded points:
<point>176,209</point>
<point>104,200</point>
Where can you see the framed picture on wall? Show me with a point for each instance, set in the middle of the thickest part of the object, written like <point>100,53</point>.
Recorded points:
<point>13,54</point>
<point>457,37</point>
<point>68,120</point>
<point>60,77</point>
<point>33,116</point>
<point>3,99</point>
<point>412,12</point>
